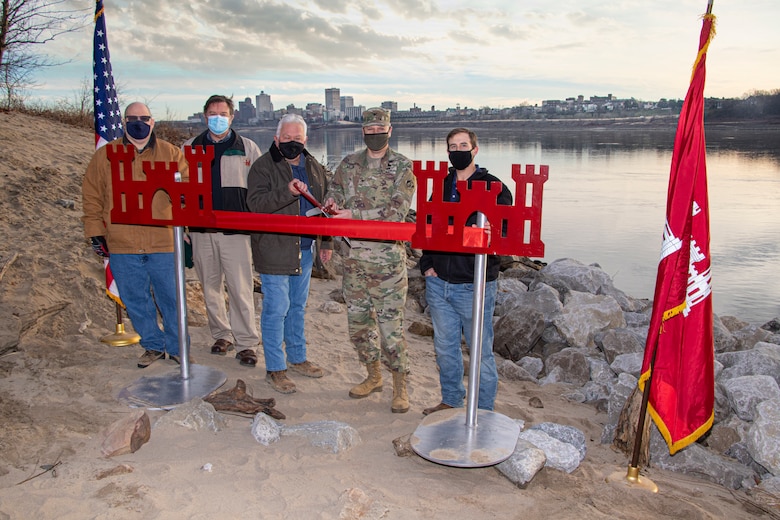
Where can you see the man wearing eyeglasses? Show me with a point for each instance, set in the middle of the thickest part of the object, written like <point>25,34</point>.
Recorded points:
<point>449,288</point>
<point>141,256</point>
<point>376,184</point>
<point>224,257</point>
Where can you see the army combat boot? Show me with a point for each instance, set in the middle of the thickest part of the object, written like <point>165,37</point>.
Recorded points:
<point>371,384</point>
<point>400,397</point>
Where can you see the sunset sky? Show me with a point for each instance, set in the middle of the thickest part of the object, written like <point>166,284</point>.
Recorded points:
<point>499,53</point>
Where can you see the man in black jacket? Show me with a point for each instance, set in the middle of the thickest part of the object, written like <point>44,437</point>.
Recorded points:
<point>449,289</point>
<point>277,181</point>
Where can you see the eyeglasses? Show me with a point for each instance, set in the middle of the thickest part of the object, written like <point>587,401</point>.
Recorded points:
<point>463,147</point>
<point>145,119</point>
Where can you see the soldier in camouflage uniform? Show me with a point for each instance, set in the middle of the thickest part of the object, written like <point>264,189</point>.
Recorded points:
<point>376,184</point>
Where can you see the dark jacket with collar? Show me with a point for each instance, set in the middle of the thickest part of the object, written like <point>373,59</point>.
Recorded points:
<point>269,176</point>
<point>459,267</point>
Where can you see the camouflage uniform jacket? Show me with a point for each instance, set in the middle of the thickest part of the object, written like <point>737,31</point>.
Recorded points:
<point>383,193</point>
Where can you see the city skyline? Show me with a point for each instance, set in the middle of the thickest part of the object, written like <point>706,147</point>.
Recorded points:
<point>416,52</point>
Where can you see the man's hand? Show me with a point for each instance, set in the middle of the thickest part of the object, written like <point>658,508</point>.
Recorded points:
<point>99,246</point>
<point>431,272</point>
<point>326,255</point>
<point>297,187</point>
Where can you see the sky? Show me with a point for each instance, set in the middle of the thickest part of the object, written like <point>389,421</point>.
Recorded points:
<point>442,53</point>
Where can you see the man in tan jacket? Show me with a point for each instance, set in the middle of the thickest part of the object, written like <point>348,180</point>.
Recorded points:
<point>141,256</point>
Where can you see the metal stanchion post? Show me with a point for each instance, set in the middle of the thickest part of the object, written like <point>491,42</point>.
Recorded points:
<point>190,381</point>
<point>476,438</point>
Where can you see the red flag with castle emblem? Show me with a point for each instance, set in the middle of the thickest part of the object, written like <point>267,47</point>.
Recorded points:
<point>108,116</point>
<point>679,352</point>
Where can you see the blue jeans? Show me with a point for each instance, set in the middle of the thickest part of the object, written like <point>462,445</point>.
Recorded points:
<point>451,313</point>
<point>282,319</point>
<point>137,277</point>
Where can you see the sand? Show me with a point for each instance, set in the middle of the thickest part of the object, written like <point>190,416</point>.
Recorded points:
<point>59,386</point>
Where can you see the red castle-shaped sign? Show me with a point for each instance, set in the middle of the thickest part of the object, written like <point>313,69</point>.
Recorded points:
<point>441,225</point>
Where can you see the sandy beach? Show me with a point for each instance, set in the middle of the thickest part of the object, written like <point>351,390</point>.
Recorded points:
<point>59,386</point>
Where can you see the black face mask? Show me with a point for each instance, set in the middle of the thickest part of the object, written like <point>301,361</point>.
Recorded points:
<point>376,142</point>
<point>460,159</point>
<point>290,149</point>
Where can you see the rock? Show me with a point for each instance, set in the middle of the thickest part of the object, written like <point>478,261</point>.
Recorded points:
<point>421,329</point>
<point>333,436</point>
<point>357,505</point>
<point>621,391</point>
<point>543,299</point>
<point>584,315</point>
<point>331,307</point>
<point>560,455</point>
<point>732,323</point>
<point>513,372</point>
<point>524,463</point>
<point>403,446</point>
<point>532,365</point>
<point>127,434</point>
<point>194,415</point>
<point>772,325</point>
<point>572,364</point>
<point>763,359</point>
<point>628,363</point>
<point>265,429</point>
<point>517,333</point>
<point>614,342</point>
<point>724,340</point>
<point>749,336</point>
<point>564,433</point>
<point>700,462</point>
<point>535,402</point>
<point>746,392</point>
<point>763,437</point>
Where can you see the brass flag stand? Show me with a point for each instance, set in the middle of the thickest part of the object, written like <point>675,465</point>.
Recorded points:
<point>120,338</point>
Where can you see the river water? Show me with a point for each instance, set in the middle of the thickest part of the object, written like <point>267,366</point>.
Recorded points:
<point>605,199</point>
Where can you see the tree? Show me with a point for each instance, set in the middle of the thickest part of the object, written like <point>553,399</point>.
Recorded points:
<point>24,25</point>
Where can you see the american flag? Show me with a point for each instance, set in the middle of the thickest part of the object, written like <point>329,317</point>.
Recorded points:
<point>108,116</point>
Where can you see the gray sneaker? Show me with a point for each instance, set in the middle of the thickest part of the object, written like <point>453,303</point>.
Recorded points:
<point>149,357</point>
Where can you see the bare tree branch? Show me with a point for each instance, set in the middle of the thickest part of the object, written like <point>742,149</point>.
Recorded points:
<point>25,24</point>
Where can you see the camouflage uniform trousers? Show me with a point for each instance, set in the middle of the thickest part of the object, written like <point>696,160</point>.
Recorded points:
<point>375,294</point>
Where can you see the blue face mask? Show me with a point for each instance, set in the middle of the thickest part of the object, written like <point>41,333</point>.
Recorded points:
<point>218,124</point>
<point>137,129</point>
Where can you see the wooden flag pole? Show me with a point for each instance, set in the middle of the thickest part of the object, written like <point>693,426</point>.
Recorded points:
<point>632,476</point>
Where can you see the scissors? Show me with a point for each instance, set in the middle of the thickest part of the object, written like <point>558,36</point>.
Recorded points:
<point>318,209</point>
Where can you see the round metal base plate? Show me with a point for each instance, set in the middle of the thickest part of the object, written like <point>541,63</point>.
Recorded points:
<point>167,391</point>
<point>444,438</point>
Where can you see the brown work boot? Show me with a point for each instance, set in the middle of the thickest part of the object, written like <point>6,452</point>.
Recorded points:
<point>371,384</point>
<point>280,382</point>
<point>400,397</point>
<point>149,357</point>
<point>434,409</point>
<point>307,368</point>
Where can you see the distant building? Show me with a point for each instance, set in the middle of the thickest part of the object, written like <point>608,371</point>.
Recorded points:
<point>265,109</point>
<point>246,112</point>
<point>332,99</point>
<point>346,102</point>
<point>392,106</point>
<point>354,113</point>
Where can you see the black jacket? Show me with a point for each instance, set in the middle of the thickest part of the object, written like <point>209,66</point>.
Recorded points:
<point>276,253</point>
<point>459,267</point>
